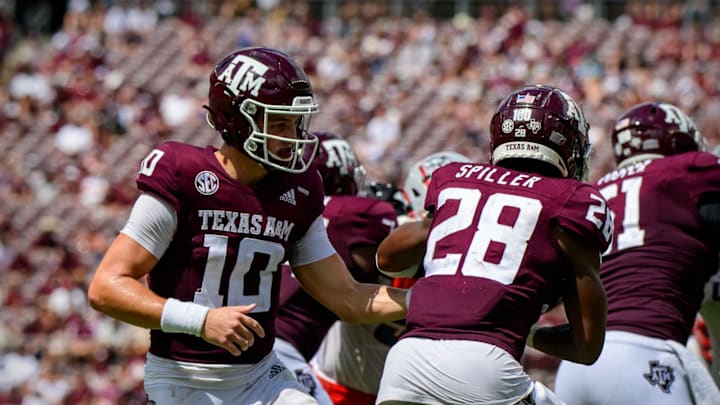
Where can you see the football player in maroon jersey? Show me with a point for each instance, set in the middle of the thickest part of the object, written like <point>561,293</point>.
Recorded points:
<point>350,359</point>
<point>665,196</point>
<point>355,225</point>
<point>500,242</point>
<point>210,230</point>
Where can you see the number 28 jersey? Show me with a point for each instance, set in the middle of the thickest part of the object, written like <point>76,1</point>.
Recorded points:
<point>229,243</point>
<point>492,259</point>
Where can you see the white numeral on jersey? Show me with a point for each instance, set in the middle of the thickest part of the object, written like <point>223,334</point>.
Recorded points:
<point>632,235</point>
<point>469,199</point>
<point>241,277</point>
<point>388,222</point>
<point>488,231</point>
<point>147,167</point>
<point>602,208</point>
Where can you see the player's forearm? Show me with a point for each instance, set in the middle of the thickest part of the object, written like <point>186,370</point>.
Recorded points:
<point>371,303</point>
<point>558,341</point>
<point>403,248</point>
<point>128,300</point>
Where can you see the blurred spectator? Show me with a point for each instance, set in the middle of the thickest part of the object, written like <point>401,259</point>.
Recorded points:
<point>381,134</point>
<point>80,105</point>
<point>179,107</point>
<point>26,82</point>
<point>72,139</point>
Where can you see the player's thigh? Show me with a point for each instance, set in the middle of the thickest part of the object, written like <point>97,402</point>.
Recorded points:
<point>293,396</point>
<point>278,386</point>
<point>542,395</point>
<point>304,374</point>
<point>625,373</point>
<point>284,390</point>
<point>158,394</point>
<point>178,383</point>
<point>451,371</point>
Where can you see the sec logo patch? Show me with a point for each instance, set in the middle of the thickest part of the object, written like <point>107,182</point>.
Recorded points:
<point>207,183</point>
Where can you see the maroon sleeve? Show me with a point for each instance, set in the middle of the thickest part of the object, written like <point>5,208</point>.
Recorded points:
<point>705,175</point>
<point>355,221</point>
<point>381,220</point>
<point>158,172</point>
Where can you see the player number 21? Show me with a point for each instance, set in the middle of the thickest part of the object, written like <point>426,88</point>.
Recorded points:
<point>632,234</point>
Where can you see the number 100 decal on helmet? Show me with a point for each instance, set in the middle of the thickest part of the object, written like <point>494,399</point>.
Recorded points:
<point>249,86</point>
<point>545,124</point>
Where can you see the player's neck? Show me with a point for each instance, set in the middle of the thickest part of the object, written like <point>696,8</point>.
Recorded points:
<point>240,166</point>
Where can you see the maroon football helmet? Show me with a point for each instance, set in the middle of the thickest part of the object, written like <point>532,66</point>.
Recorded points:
<point>545,124</point>
<point>247,87</point>
<point>651,130</point>
<point>339,168</point>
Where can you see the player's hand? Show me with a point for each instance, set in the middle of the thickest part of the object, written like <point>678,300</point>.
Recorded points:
<point>231,328</point>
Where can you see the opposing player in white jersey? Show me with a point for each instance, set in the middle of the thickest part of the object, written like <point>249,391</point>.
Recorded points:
<point>351,358</point>
<point>418,178</point>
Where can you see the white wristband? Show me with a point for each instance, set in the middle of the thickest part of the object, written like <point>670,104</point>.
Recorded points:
<point>409,272</point>
<point>183,317</point>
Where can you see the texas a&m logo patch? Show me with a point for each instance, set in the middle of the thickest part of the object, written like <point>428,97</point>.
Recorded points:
<point>662,376</point>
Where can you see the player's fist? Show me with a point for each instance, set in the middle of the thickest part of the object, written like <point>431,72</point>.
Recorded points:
<point>231,328</point>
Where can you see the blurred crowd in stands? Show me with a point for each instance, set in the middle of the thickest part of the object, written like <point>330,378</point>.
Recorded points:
<point>79,108</point>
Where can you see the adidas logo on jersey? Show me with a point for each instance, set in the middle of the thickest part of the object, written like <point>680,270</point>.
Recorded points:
<point>289,196</point>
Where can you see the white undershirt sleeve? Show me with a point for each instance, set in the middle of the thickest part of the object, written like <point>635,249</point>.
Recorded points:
<point>152,224</point>
<point>313,246</point>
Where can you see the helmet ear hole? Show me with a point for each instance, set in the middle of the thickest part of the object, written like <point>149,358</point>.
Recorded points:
<point>209,117</point>
<point>221,124</point>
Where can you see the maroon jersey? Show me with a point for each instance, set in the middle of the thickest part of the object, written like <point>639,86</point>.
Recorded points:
<point>660,257</point>
<point>492,260</point>
<point>229,242</point>
<point>351,222</point>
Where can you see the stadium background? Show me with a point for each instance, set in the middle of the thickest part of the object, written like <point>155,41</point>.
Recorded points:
<point>88,87</point>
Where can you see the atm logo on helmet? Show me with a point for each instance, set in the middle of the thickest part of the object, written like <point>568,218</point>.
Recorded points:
<point>244,74</point>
